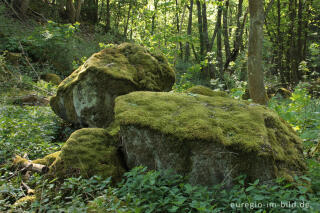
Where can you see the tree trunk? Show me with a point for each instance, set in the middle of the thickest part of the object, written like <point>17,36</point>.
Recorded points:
<point>108,24</point>
<point>189,31</point>
<point>280,45</point>
<point>78,9</point>
<point>237,43</point>
<point>71,11</point>
<point>200,25</point>
<point>255,70</point>
<point>127,22</point>
<point>219,45</point>
<point>155,2</point>
<point>225,29</point>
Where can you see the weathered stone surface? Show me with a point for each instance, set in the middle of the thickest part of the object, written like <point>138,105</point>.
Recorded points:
<point>88,152</point>
<point>210,139</point>
<point>86,97</point>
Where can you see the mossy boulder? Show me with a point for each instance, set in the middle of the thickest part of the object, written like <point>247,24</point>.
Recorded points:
<point>86,97</point>
<point>88,152</point>
<point>202,90</point>
<point>209,139</point>
<point>52,78</point>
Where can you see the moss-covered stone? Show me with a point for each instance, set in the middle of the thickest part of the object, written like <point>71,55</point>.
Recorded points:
<point>47,160</point>
<point>211,139</point>
<point>52,78</point>
<point>202,90</point>
<point>88,152</point>
<point>86,97</point>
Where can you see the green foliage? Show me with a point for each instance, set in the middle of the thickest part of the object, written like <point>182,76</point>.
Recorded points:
<point>54,43</point>
<point>302,112</point>
<point>70,196</point>
<point>163,191</point>
<point>27,129</point>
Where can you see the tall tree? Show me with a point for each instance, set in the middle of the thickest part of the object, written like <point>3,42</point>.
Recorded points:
<point>255,70</point>
<point>189,31</point>
<point>108,22</point>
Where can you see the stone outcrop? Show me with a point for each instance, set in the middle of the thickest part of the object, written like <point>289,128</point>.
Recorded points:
<point>209,139</point>
<point>88,152</point>
<point>86,97</point>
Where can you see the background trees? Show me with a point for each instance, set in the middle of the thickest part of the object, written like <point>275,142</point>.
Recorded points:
<point>207,40</point>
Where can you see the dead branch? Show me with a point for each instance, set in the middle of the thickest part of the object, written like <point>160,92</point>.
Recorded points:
<point>27,188</point>
<point>29,166</point>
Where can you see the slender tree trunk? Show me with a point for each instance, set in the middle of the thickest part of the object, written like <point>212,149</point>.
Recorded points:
<point>219,47</point>
<point>71,11</point>
<point>78,9</point>
<point>280,45</point>
<point>255,70</point>
<point>108,24</point>
<point>189,31</point>
<point>205,28</point>
<point>155,2</point>
<point>200,25</point>
<point>127,22</point>
<point>178,28</point>
<point>238,38</point>
<point>299,49</point>
<point>225,29</point>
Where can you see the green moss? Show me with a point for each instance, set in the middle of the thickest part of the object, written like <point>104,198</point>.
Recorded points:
<point>52,78</point>
<point>239,125</point>
<point>47,160</point>
<point>88,152</point>
<point>202,90</point>
<point>24,202</point>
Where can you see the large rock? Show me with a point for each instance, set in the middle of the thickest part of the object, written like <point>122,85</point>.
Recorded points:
<point>88,152</point>
<point>210,139</point>
<point>86,97</point>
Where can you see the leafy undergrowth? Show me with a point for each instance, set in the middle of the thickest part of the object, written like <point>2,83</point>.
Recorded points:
<point>33,130</point>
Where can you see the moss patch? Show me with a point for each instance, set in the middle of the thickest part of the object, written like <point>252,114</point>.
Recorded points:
<point>202,90</point>
<point>88,152</point>
<point>24,202</point>
<point>238,125</point>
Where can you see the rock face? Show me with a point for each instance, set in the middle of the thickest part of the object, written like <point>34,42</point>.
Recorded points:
<point>88,152</point>
<point>209,139</point>
<point>86,97</point>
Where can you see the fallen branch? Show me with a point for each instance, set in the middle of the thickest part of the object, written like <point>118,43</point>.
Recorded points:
<point>27,188</point>
<point>29,166</point>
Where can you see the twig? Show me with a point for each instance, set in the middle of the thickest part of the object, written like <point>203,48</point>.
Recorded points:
<point>27,188</point>
<point>39,14</point>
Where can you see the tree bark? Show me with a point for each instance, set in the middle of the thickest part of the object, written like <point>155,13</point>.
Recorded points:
<point>255,70</point>
<point>219,45</point>
<point>189,31</point>
<point>155,2</point>
<point>127,22</point>
<point>225,29</point>
<point>71,11</point>
<point>200,25</point>
<point>108,24</point>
